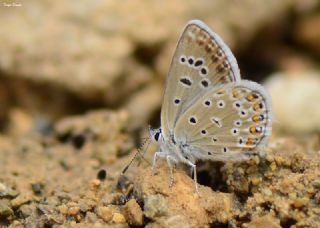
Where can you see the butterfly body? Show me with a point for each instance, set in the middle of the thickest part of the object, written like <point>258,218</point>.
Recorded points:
<point>208,112</point>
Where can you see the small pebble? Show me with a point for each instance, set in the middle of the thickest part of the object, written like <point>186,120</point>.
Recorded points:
<point>317,198</point>
<point>118,218</point>
<point>273,166</point>
<point>98,225</point>
<point>5,210</point>
<point>270,158</point>
<point>73,211</point>
<point>7,191</point>
<point>63,209</point>
<point>223,218</point>
<point>105,213</point>
<point>37,188</point>
<point>267,192</point>
<point>300,202</point>
<point>155,206</point>
<point>3,188</point>
<point>133,213</point>
<point>27,209</point>
<point>91,217</point>
<point>316,184</point>
<point>21,199</point>
<point>176,221</point>
<point>95,183</point>
<point>111,198</point>
<point>256,180</point>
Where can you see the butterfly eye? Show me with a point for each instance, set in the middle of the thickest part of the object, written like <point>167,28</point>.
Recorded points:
<point>198,63</point>
<point>177,101</point>
<point>240,140</point>
<point>193,120</point>
<point>234,131</point>
<point>221,104</point>
<point>157,136</point>
<point>204,132</point>
<point>216,121</point>
<point>237,123</point>
<point>204,83</point>
<point>203,71</point>
<point>183,59</point>
<point>191,60</point>
<point>186,81</point>
<point>236,104</point>
<point>207,103</point>
<point>243,113</point>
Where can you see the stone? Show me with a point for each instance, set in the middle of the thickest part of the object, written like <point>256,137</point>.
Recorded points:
<point>118,218</point>
<point>176,221</point>
<point>133,213</point>
<point>21,199</point>
<point>5,209</point>
<point>155,206</point>
<point>267,221</point>
<point>105,213</point>
<point>6,191</point>
<point>73,211</point>
<point>295,99</point>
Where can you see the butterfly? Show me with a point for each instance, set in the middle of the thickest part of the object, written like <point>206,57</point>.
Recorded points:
<point>208,112</point>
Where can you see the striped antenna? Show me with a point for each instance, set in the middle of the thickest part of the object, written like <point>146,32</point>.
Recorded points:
<point>138,152</point>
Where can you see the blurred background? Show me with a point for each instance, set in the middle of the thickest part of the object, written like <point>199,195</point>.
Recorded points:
<point>62,58</point>
<point>80,81</point>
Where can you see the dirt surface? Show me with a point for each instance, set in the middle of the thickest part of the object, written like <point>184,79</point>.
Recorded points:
<point>72,177</point>
<point>79,86</point>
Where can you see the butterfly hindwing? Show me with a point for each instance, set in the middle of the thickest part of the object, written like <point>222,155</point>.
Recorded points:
<point>228,120</point>
<point>201,61</point>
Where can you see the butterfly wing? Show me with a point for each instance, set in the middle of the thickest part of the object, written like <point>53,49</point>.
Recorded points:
<point>201,61</point>
<point>226,122</point>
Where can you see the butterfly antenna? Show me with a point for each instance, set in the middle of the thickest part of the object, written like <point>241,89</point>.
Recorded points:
<point>135,155</point>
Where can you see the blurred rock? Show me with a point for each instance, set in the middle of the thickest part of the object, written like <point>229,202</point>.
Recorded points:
<point>23,198</point>
<point>118,218</point>
<point>306,34</point>
<point>295,101</point>
<point>7,191</point>
<point>267,221</point>
<point>105,213</point>
<point>155,206</point>
<point>133,213</point>
<point>176,222</point>
<point>162,202</point>
<point>5,209</point>
<point>79,54</point>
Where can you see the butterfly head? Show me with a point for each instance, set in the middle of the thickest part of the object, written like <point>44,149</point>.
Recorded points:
<point>155,134</point>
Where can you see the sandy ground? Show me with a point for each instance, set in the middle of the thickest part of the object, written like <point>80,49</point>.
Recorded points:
<point>80,83</point>
<point>72,177</point>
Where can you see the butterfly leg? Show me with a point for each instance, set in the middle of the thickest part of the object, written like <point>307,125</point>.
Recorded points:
<point>194,167</point>
<point>156,155</point>
<point>170,161</point>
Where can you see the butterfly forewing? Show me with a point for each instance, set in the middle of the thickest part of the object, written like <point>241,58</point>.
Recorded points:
<point>201,61</point>
<point>227,120</point>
